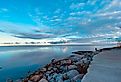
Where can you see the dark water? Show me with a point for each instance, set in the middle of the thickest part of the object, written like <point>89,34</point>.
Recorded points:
<point>17,61</point>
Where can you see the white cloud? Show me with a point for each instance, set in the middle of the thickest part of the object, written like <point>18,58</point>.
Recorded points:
<point>10,27</point>
<point>46,17</point>
<point>56,20</point>
<point>112,6</point>
<point>30,15</point>
<point>76,5</point>
<point>57,11</point>
<point>72,14</point>
<point>79,13</point>
<point>76,13</point>
<point>55,16</point>
<point>3,10</point>
<point>92,2</point>
<point>73,18</point>
<point>108,13</point>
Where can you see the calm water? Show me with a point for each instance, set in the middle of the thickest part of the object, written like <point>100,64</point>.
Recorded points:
<point>17,61</point>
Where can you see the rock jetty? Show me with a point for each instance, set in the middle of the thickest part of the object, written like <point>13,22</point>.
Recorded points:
<point>70,69</point>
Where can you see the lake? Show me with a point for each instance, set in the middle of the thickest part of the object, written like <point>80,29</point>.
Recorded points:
<point>17,61</point>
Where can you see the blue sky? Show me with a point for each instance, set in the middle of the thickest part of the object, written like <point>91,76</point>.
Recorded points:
<point>73,20</point>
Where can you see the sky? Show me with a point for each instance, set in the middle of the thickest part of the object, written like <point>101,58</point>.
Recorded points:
<point>56,20</point>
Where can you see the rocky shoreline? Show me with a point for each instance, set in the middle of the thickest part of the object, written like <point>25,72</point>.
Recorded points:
<point>70,69</point>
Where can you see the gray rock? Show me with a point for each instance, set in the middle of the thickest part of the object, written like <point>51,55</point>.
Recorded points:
<point>71,67</point>
<point>43,80</point>
<point>77,78</point>
<point>72,73</point>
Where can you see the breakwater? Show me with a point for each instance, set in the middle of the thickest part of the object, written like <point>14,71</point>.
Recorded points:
<point>70,69</point>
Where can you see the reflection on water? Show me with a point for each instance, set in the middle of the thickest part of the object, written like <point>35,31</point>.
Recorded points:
<point>17,61</point>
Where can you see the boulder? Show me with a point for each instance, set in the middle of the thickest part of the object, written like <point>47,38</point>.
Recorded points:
<point>59,78</point>
<point>43,80</point>
<point>77,78</point>
<point>71,73</point>
<point>71,67</point>
<point>35,78</point>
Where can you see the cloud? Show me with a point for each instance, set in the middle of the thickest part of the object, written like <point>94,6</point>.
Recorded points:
<point>57,11</point>
<point>76,5</point>
<point>92,2</point>
<point>79,13</point>
<point>115,4</point>
<point>113,13</point>
<point>11,27</point>
<point>4,10</point>
<point>35,36</point>
<point>73,20</point>
<point>30,32</point>
<point>55,20</point>
<point>2,31</point>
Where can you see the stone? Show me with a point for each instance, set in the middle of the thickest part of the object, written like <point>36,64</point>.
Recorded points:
<point>77,78</point>
<point>43,80</point>
<point>71,67</point>
<point>35,78</point>
<point>72,73</point>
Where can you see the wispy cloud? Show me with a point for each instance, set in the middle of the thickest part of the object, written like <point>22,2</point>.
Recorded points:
<point>4,10</point>
<point>76,5</point>
<point>35,36</point>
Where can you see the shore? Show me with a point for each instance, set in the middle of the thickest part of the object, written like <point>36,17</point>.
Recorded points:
<point>74,68</point>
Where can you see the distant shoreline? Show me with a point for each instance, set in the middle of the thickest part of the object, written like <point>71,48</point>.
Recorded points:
<point>34,45</point>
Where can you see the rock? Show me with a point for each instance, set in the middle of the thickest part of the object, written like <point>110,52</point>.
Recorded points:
<point>67,80</point>
<point>44,69</point>
<point>85,60</point>
<point>76,58</point>
<point>59,78</point>
<point>72,73</point>
<point>77,78</point>
<point>55,69</point>
<point>43,80</point>
<point>35,78</point>
<point>53,61</point>
<point>69,62</point>
<point>49,77</point>
<point>24,80</point>
<point>65,76</point>
<point>80,62</point>
<point>21,81</point>
<point>71,67</point>
<point>66,62</point>
<point>82,69</point>
<point>9,80</point>
<point>29,81</point>
<point>64,68</point>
